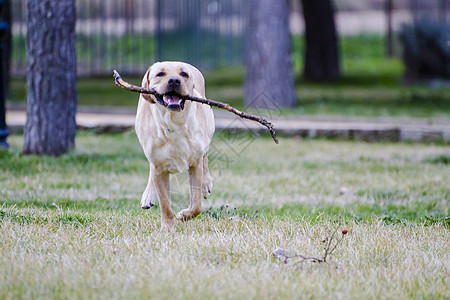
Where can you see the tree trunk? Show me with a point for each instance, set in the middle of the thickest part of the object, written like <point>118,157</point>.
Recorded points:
<point>7,45</point>
<point>51,67</point>
<point>269,76</point>
<point>322,54</point>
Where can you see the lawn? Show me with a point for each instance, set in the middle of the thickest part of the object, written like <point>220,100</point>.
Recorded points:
<point>71,227</point>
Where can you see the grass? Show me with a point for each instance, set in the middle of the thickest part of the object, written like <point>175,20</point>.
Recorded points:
<point>121,255</point>
<point>71,227</point>
<point>401,181</point>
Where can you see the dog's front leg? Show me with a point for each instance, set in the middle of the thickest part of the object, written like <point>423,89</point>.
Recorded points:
<point>206,178</point>
<point>149,196</point>
<point>162,187</point>
<point>195,189</point>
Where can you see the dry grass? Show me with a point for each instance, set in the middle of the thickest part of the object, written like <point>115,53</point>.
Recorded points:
<point>126,255</point>
<point>71,227</point>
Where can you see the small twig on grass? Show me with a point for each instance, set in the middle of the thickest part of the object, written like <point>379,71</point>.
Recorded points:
<point>329,248</point>
<point>122,83</point>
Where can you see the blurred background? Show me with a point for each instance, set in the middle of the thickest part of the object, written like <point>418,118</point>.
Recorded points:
<point>129,35</point>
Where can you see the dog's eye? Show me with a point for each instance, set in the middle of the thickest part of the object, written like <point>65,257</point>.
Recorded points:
<point>160,74</point>
<point>184,74</point>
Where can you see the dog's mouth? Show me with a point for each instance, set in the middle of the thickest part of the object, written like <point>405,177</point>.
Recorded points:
<point>172,100</point>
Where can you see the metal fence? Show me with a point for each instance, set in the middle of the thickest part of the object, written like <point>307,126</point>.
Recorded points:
<point>131,34</point>
<point>206,33</point>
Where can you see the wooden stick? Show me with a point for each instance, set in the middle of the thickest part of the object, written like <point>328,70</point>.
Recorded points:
<point>123,84</point>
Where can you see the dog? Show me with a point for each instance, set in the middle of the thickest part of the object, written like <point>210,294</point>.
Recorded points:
<point>175,135</point>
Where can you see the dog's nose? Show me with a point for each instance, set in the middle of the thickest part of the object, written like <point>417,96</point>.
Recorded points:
<point>174,82</point>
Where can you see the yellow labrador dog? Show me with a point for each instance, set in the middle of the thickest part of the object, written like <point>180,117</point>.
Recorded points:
<point>175,136</point>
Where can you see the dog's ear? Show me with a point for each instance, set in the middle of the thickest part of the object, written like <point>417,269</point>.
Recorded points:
<point>199,81</point>
<point>146,84</point>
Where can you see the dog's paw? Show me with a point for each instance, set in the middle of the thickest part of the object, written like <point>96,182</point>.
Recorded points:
<point>207,188</point>
<point>187,214</point>
<point>167,224</point>
<point>148,198</point>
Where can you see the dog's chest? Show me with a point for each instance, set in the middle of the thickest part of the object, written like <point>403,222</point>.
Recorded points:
<point>174,150</point>
<point>173,142</point>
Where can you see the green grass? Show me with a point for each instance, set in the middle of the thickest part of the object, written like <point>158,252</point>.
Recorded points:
<point>377,101</point>
<point>402,182</point>
<point>71,226</point>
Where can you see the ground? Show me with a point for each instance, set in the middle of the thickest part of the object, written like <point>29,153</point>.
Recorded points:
<point>72,227</point>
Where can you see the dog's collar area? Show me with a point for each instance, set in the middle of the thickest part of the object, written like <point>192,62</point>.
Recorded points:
<point>172,101</point>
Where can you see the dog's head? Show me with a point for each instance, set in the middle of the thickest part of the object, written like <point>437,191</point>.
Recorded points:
<point>172,81</point>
